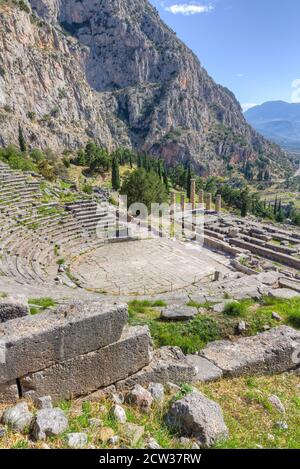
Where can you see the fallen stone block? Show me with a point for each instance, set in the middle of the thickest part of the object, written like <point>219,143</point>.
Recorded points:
<point>18,417</point>
<point>206,371</point>
<point>49,422</point>
<point>198,417</point>
<point>86,373</point>
<point>33,343</point>
<point>290,284</point>
<point>9,393</point>
<point>168,364</point>
<point>244,293</point>
<point>133,433</point>
<point>13,307</point>
<point>77,440</point>
<point>268,278</point>
<point>140,397</point>
<point>180,313</point>
<point>270,352</point>
<point>220,307</point>
<point>157,391</point>
<point>284,294</point>
<point>119,413</point>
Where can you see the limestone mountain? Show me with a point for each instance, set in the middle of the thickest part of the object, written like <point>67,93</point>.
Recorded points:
<point>111,70</point>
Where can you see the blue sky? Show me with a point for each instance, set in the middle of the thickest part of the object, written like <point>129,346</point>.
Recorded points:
<point>250,46</point>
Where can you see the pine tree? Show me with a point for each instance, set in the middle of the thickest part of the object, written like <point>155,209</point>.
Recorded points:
<point>22,141</point>
<point>115,175</point>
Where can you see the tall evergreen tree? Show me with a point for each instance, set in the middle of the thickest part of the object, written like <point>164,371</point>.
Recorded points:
<point>245,203</point>
<point>165,177</point>
<point>22,141</point>
<point>276,205</point>
<point>188,181</point>
<point>115,175</point>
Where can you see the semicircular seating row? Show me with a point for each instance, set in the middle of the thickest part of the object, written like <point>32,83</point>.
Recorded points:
<point>35,234</point>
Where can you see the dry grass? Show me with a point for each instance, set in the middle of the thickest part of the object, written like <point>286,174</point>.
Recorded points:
<point>250,417</point>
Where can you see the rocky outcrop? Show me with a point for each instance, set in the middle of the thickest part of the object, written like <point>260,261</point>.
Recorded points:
<point>63,75</point>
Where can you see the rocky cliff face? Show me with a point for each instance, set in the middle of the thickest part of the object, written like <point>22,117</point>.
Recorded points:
<point>113,71</point>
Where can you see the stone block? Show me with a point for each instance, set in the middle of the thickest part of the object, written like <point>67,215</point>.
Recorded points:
<point>179,313</point>
<point>86,373</point>
<point>197,416</point>
<point>169,364</point>
<point>270,352</point>
<point>9,393</point>
<point>206,370</point>
<point>33,343</point>
<point>284,294</point>
<point>13,307</point>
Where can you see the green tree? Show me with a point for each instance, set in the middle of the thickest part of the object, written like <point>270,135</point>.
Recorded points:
<point>22,141</point>
<point>144,187</point>
<point>165,176</point>
<point>115,175</point>
<point>245,202</point>
<point>188,181</point>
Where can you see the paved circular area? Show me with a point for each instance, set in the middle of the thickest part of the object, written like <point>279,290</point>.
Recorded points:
<point>145,267</point>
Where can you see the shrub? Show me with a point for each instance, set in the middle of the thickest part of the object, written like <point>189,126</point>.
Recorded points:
<point>235,309</point>
<point>31,115</point>
<point>87,189</point>
<point>23,6</point>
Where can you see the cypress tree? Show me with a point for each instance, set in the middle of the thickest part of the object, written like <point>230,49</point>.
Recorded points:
<point>115,175</point>
<point>188,181</point>
<point>22,141</point>
<point>159,169</point>
<point>165,177</point>
<point>245,203</point>
<point>276,205</point>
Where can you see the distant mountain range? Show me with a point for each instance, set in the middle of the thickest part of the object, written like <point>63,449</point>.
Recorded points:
<point>278,121</point>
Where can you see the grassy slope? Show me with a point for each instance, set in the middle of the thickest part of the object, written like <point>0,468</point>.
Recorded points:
<point>251,420</point>
<point>209,326</point>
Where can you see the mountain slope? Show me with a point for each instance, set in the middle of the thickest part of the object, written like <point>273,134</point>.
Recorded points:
<point>279,121</point>
<point>111,70</point>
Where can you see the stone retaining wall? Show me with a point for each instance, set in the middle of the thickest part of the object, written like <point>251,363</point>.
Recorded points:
<point>73,351</point>
<point>267,253</point>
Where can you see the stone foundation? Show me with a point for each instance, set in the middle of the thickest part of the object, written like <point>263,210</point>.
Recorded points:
<point>87,373</point>
<point>79,349</point>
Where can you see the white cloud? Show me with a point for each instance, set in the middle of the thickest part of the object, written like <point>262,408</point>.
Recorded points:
<point>247,106</point>
<point>188,9</point>
<point>296,91</point>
